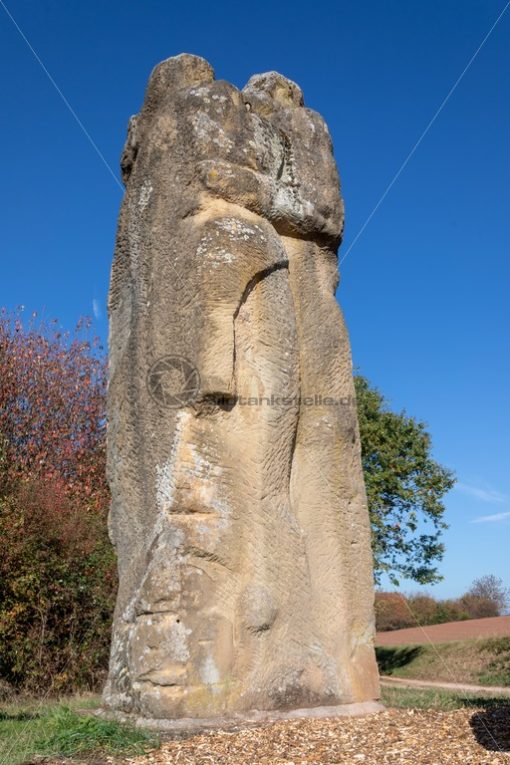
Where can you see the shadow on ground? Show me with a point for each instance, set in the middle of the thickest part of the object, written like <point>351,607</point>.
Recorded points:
<point>491,725</point>
<point>390,659</point>
<point>19,716</point>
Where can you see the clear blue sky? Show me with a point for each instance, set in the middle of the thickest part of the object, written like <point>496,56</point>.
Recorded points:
<point>425,287</point>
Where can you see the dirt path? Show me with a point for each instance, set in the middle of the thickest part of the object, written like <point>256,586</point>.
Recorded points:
<point>494,690</point>
<point>498,626</point>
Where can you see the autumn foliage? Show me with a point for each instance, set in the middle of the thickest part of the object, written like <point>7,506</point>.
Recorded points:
<point>392,612</point>
<point>487,596</point>
<point>57,572</point>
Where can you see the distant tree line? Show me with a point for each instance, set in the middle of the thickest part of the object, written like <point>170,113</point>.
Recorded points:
<point>486,597</point>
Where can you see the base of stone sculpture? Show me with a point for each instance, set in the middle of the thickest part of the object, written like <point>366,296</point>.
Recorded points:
<point>255,717</point>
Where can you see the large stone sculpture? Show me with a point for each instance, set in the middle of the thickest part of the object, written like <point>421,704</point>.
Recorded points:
<point>238,514</point>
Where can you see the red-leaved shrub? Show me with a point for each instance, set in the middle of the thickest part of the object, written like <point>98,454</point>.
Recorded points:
<point>57,570</point>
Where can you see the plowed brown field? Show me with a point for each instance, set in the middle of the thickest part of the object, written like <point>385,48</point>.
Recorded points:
<point>497,626</point>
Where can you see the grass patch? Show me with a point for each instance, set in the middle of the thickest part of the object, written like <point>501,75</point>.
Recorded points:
<point>58,729</point>
<point>444,701</point>
<point>497,671</point>
<point>485,661</point>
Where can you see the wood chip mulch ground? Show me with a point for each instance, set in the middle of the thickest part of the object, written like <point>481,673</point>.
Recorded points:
<point>396,736</point>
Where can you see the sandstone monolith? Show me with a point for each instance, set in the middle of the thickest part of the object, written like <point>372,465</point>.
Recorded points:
<point>238,511</point>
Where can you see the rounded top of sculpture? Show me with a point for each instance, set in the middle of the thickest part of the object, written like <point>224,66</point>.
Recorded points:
<point>259,148</point>
<point>282,91</point>
<point>187,68</point>
<point>182,71</point>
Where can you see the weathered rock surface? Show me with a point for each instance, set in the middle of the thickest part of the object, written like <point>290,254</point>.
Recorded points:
<point>241,528</point>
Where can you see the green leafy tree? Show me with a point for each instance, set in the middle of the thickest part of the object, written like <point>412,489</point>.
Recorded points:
<point>405,487</point>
